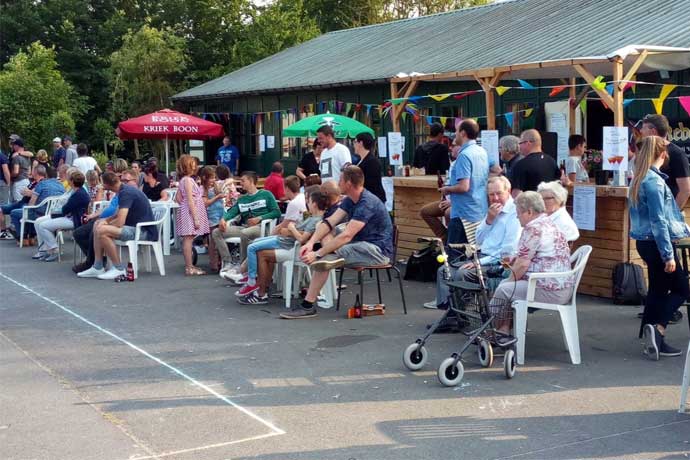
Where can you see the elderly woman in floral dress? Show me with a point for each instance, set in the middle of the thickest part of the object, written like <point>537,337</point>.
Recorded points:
<point>541,248</point>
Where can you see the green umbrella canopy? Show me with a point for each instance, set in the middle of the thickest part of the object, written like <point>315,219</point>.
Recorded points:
<point>343,126</point>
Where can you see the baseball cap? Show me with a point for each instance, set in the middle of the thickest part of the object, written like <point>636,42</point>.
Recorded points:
<point>14,137</point>
<point>57,139</point>
<point>18,142</point>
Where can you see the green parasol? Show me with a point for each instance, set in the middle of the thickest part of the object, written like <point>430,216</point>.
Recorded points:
<point>343,126</point>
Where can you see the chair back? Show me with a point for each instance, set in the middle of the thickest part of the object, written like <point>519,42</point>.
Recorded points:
<point>395,244</point>
<point>172,193</point>
<point>578,260</point>
<point>160,213</point>
<point>267,227</point>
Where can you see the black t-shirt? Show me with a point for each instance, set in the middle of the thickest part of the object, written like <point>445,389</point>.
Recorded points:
<point>139,208</point>
<point>433,156</point>
<point>163,179</point>
<point>153,193</point>
<point>532,170</point>
<point>371,168</point>
<point>676,167</point>
<point>309,164</point>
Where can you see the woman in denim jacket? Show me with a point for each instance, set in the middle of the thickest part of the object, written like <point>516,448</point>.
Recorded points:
<point>656,224</point>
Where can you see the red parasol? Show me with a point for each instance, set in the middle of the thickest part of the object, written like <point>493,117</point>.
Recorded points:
<point>168,124</point>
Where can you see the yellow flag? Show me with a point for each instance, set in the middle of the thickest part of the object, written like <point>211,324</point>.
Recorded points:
<point>439,97</point>
<point>599,83</point>
<point>528,113</point>
<point>501,90</point>
<point>665,91</point>
<point>268,116</point>
<point>443,120</point>
<point>658,105</point>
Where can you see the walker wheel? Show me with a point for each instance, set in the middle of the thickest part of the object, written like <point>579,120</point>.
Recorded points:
<point>415,357</point>
<point>509,363</point>
<point>450,372</point>
<point>485,352</point>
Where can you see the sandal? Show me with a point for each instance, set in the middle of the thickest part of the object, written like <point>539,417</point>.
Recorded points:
<point>194,271</point>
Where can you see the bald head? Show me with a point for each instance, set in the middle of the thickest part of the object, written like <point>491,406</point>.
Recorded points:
<point>331,190</point>
<point>468,130</point>
<point>530,142</point>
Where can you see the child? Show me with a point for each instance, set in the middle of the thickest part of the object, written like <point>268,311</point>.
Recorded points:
<point>192,220</point>
<point>213,199</point>
<point>278,249</point>
<point>575,171</point>
<point>93,186</point>
<point>227,186</point>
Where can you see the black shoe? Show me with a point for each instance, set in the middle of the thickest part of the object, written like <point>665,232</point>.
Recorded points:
<point>253,299</point>
<point>652,339</point>
<point>300,313</point>
<point>667,350</point>
<point>676,318</point>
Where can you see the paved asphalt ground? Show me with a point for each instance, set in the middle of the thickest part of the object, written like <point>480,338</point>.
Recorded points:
<point>173,368</point>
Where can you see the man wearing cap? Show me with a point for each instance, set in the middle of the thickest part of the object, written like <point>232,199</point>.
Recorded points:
<point>59,153</point>
<point>70,151</point>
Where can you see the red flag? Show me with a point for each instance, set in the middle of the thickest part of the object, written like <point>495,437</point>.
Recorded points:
<point>556,90</point>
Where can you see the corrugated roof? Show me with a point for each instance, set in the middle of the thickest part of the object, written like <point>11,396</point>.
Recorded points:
<point>499,34</point>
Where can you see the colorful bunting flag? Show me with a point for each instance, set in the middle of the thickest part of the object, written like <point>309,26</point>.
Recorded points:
<point>665,91</point>
<point>500,90</point>
<point>509,118</point>
<point>555,91</point>
<point>658,105</point>
<point>583,106</point>
<point>599,83</point>
<point>525,85</point>
<point>429,120</point>
<point>398,100</point>
<point>443,120</point>
<point>439,97</point>
<point>626,102</point>
<point>527,113</point>
<point>415,98</point>
<point>458,120</point>
<point>609,89</point>
<point>403,116</point>
<point>685,102</point>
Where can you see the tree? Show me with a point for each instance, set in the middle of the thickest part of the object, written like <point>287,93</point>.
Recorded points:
<point>35,100</point>
<point>103,130</point>
<point>145,71</point>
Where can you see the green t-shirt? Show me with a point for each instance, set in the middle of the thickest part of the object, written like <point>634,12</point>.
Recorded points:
<point>261,204</point>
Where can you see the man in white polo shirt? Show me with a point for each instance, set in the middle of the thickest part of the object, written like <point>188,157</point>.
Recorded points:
<point>335,156</point>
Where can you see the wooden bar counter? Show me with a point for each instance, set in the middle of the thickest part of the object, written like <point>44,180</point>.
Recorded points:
<point>610,241</point>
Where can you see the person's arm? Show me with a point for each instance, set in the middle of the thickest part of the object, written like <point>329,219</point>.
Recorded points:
<point>300,173</point>
<point>683,191</point>
<point>15,170</point>
<point>495,170</point>
<point>32,200</point>
<point>463,169</point>
<point>119,219</point>
<point>6,174</point>
<point>99,194</point>
<point>97,168</point>
<point>323,229</point>
<point>273,209</point>
<point>657,220</point>
<point>190,202</point>
<point>463,186</point>
<point>164,195</point>
<point>351,229</point>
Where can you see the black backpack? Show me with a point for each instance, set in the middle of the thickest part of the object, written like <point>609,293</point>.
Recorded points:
<point>629,286</point>
<point>422,265</point>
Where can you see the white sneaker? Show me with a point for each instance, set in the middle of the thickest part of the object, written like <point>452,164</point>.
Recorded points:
<point>91,273</point>
<point>111,274</point>
<point>235,276</point>
<point>230,274</point>
<point>227,267</point>
<point>432,305</point>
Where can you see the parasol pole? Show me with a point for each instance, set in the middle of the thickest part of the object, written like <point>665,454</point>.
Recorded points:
<point>167,158</point>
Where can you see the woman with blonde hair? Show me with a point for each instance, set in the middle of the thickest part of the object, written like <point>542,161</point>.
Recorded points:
<point>656,225</point>
<point>192,220</point>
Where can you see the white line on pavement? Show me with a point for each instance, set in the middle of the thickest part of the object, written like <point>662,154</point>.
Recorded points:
<point>203,386</point>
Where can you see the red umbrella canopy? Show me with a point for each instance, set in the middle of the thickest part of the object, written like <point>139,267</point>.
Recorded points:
<point>168,124</point>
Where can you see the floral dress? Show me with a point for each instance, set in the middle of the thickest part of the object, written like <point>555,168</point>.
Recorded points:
<point>184,221</point>
<point>547,249</point>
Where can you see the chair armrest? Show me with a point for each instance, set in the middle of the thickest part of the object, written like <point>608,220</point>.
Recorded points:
<point>532,279</point>
<point>137,231</point>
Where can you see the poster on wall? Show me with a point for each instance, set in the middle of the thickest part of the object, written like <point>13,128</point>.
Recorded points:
<point>270,142</point>
<point>615,151</point>
<point>262,143</point>
<point>585,206</point>
<point>395,148</point>
<point>383,147</point>
<point>490,144</point>
<point>559,125</point>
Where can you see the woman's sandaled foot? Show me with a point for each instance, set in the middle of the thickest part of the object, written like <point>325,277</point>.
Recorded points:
<point>193,271</point>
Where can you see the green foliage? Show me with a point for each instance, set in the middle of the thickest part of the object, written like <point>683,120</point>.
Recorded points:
<point>101,158</point>
<point>145,71</point>
<point>35,100</point>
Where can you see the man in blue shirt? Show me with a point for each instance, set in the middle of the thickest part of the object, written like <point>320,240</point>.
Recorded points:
<point>367,240</point>
<point>44,189</point>
<point>497,237</point>
<point>229,156</point>
<point>467,185</point>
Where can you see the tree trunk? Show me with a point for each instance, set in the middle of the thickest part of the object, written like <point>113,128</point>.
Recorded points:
<point>105,147</point>
<point>176,152</point>
<point>136,149</point>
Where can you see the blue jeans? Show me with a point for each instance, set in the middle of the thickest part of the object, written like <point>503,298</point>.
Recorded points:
<point>259,244</point>
<point>16,217</point>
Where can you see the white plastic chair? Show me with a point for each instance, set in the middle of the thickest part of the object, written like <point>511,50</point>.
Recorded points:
<point>48,203</point>
<point>686,383</point>
<point>568,312</point>
<point>291,283</point>
<point>159,214</point>
<point>172,192</point>
<point>267,227</point>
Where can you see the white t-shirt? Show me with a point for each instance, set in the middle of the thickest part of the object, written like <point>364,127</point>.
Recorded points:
<point>85,164</point>
<point>332,161</point>
<point>562,220</point>
<point>296,208</point>
<point>574,165</point>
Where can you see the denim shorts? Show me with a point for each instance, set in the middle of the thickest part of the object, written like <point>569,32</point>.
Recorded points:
<point>360,253</point>
<point>127,233</point>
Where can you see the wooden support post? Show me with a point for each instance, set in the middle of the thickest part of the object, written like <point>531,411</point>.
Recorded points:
<point>634,68</point>
<point>617,93</point>
<point>396,110</point>
<point>488,84</point>
<point>572,106</point>
<point>394,118</point>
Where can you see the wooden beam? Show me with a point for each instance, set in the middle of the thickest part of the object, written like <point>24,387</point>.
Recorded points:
<point>394,118</point>
<point>409,90</point>
<point>572,105</point>
<point>617,93</point>
<point>634,68</point>
<point>589,78</point>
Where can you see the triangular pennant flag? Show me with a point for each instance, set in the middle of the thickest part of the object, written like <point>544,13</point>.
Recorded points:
<point>583,106</point>
<point>500,90</point>
<point>626,102</point>
<point>403,116</point>
<point>609,89</point>
<point>685,102</point>
<point>658,105</point>
<point>528,113</point>
<point>525,85</point>
<point>555,91</point>
<point>397,101</point>
<point>509,118</point>
<point>464,95</point>
<point>358,107</point>
<point>629,85</point>
<point>414,98</point>
<point>598,83</point>
<point>439,97</point>
<point>268,116</point>
<point>368,108</point>
<point>348,107</point>
<point>443,120</point>
<point>665,91</point>
<point>429,120</point>
<point>458,120</point>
